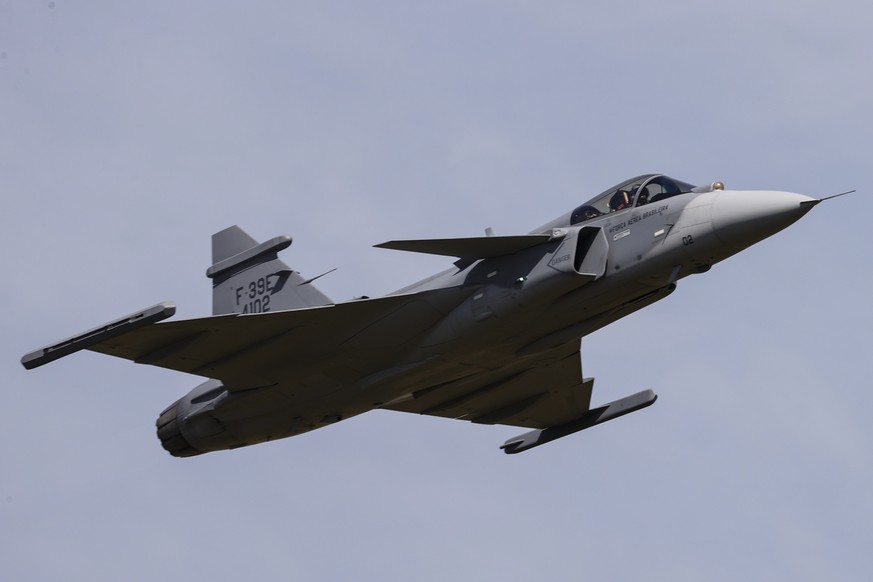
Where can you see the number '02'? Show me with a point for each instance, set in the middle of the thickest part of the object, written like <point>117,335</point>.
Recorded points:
<point>687,240</point>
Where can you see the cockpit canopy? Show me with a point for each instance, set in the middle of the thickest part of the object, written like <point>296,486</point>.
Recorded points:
<point>635,192</point>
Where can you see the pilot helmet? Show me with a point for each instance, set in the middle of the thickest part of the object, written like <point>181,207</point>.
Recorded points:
<point>620,200</point>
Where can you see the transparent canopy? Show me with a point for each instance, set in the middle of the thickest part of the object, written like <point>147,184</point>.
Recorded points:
<point>637,191</point>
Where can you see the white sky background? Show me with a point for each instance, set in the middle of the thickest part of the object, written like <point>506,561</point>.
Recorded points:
<point>130,132</point>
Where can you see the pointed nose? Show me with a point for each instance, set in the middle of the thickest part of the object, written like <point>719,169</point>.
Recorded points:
<point>742,218</point>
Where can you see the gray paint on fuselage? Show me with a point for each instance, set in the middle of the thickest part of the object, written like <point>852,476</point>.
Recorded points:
<point>446,345</point>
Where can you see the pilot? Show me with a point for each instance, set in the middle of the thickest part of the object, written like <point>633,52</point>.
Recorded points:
<point>620,200</point>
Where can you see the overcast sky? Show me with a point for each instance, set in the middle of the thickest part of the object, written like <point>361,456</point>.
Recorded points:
<point>130,132</point>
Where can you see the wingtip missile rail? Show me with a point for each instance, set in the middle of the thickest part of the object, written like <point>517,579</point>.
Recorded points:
<point>593,417</point>
<point>94,336</point>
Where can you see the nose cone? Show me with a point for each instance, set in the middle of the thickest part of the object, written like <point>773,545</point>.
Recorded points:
<point>742,218</point>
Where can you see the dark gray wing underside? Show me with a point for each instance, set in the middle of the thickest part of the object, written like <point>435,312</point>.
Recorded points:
<point>250,351</point>
<point>540,392</point>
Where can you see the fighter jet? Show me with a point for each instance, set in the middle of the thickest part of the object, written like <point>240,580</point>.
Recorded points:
<point>494,339</point>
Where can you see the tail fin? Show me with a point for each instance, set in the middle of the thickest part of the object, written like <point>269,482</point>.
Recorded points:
<point>248,277</point>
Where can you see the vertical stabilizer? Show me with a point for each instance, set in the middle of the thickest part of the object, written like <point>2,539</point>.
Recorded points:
<point>229,242</point>
<point>248,277</point>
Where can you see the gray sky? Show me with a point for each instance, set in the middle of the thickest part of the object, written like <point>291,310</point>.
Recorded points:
<point>130,132</point>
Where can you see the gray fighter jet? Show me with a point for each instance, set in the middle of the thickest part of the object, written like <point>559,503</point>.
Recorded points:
<point>493,340</point>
